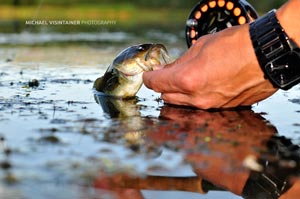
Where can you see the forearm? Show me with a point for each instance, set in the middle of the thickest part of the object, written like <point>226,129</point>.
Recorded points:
<point>289,17</point>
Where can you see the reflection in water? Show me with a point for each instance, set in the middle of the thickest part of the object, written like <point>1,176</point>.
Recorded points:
<point>116,107</point>
<point>127,115</point>
<point>238,151</point>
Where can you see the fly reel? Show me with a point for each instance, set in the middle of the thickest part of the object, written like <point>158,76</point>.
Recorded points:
<point>211,16</point>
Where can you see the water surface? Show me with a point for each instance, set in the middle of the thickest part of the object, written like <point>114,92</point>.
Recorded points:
<point>59,140</point>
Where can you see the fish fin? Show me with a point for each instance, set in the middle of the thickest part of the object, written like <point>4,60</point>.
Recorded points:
<point>107,82</point>
<point>98,84</point>
<point>112,81</point>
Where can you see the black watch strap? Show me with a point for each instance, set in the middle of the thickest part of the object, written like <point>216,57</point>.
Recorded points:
<point>264,186</point>
<point>275,178</point>
<point>278,56</point>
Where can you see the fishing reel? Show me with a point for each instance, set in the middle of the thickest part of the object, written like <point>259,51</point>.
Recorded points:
<point>211,16</point>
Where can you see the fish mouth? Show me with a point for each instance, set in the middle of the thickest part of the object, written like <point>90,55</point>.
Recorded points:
<point>157,54</point>
<point>153,55</point>
<point>128,74</point>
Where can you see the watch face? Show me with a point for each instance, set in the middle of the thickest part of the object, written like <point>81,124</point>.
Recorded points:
<point>284,72</point>
<point>211,16</point>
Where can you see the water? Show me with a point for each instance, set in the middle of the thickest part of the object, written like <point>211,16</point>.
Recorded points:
<point>58,142</point>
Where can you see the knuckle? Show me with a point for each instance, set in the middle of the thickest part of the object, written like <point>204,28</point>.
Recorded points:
<point>206,103</point>
<point>187,83</point>
<point>202,104</point>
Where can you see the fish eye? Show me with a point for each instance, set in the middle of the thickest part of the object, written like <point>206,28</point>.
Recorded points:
<point>140,48</point>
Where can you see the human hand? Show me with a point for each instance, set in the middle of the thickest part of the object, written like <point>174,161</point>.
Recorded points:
<point>218,71</point>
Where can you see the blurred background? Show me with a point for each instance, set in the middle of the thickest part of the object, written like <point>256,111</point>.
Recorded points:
<point>137,17</point>
<point>128,15</point>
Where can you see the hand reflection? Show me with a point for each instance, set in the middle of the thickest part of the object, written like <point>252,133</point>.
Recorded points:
<point>216,143</point>
<point>224,148</point>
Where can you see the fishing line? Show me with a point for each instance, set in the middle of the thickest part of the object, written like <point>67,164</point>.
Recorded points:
<point>34,17</point>
<point>38,9</point>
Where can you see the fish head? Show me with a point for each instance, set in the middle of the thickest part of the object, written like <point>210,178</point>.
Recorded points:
<point>137,59</point>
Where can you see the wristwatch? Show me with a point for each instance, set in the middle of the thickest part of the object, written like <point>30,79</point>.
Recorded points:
<point>277,54</point>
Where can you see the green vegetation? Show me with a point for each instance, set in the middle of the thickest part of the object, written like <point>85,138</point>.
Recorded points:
<point>134,14</point>
<point>125,16</point>
<point>149,3</point>
<point>261,6</point>
<point>54,9</point>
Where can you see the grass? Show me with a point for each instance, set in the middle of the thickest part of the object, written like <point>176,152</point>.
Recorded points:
<point>124,17</point>
<point>124,13</point>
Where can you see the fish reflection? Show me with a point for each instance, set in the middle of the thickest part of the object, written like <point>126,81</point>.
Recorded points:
<point>237,151</point>
<point>117,107</point>
<point>125,114</point>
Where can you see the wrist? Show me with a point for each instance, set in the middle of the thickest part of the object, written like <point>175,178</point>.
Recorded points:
<point>277,53</point>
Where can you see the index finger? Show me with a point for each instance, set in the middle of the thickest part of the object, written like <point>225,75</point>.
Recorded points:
<point>162,80</point>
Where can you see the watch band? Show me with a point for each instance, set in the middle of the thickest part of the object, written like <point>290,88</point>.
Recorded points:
<point>278,56</point>
<point>275,179</point>
<point>264,186</point>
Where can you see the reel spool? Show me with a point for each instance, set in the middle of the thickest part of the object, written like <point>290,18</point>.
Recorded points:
<point>211,16</point>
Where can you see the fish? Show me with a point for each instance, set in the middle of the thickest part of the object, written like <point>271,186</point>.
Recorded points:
<point>124,76</point>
